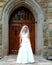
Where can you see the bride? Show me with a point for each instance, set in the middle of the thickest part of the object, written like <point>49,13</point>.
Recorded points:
<point>25,54</point>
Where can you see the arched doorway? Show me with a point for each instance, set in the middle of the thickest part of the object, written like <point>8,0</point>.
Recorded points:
<point>38,13</point>
<point>21,16</point>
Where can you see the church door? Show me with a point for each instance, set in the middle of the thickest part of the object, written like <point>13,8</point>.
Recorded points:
<point>21,16</point>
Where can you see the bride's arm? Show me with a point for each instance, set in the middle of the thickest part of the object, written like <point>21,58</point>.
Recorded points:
<point>20,40</point>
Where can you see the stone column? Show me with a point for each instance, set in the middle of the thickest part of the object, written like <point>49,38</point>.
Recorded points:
<point>40,34</point>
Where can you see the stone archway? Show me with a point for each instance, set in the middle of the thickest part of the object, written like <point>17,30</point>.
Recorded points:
<point>35,8</point>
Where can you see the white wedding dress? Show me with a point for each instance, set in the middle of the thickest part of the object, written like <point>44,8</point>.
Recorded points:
<point>25,54</point>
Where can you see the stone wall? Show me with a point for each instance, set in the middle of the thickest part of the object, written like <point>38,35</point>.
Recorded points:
<point>2,4</point>
<point>46,5</point>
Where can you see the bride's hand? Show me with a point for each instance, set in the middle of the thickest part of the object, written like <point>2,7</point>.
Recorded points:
<point>20,41</point>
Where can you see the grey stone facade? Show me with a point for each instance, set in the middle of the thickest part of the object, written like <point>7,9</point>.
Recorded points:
<point>46,6</point>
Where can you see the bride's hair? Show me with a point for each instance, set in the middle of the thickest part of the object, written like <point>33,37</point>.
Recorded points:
<point>25,26</point>
<point>25,29</point>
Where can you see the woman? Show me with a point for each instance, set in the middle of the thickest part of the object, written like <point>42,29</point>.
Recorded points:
<point>25,54</point>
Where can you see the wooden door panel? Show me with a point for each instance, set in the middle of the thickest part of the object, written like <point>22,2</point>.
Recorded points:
<point>13,46</point>
<point>14,42</point>
<point>15,26</point>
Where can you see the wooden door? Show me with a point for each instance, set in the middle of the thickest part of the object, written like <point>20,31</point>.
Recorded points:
<point>20,17</point>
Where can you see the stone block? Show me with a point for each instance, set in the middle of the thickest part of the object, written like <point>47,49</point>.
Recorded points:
<point>0,34</point>
<point>0,46</point>
<point>0,31</point>
<point>45,42</point>
<point>44,5</point>
<point>49,15</point>
<point>1,51</point>
<point>3,0</point>
<point>50,5</point>
<point>0,43</point>
<point>42,1</point>
<point>50,26</point>
<point>50,43</point>
<point>49,10</point>
<point>45,10</point>
<point>50,39</point>
<point>0,40</point>
<point>49,21</point>
<point>0,26</point>
<point>1,8</point>
<point>50,34</point>
<point>49,0</point>
<point>2,4</point>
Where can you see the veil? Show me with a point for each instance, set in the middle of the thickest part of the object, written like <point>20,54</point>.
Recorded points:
<point>25,26</point>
